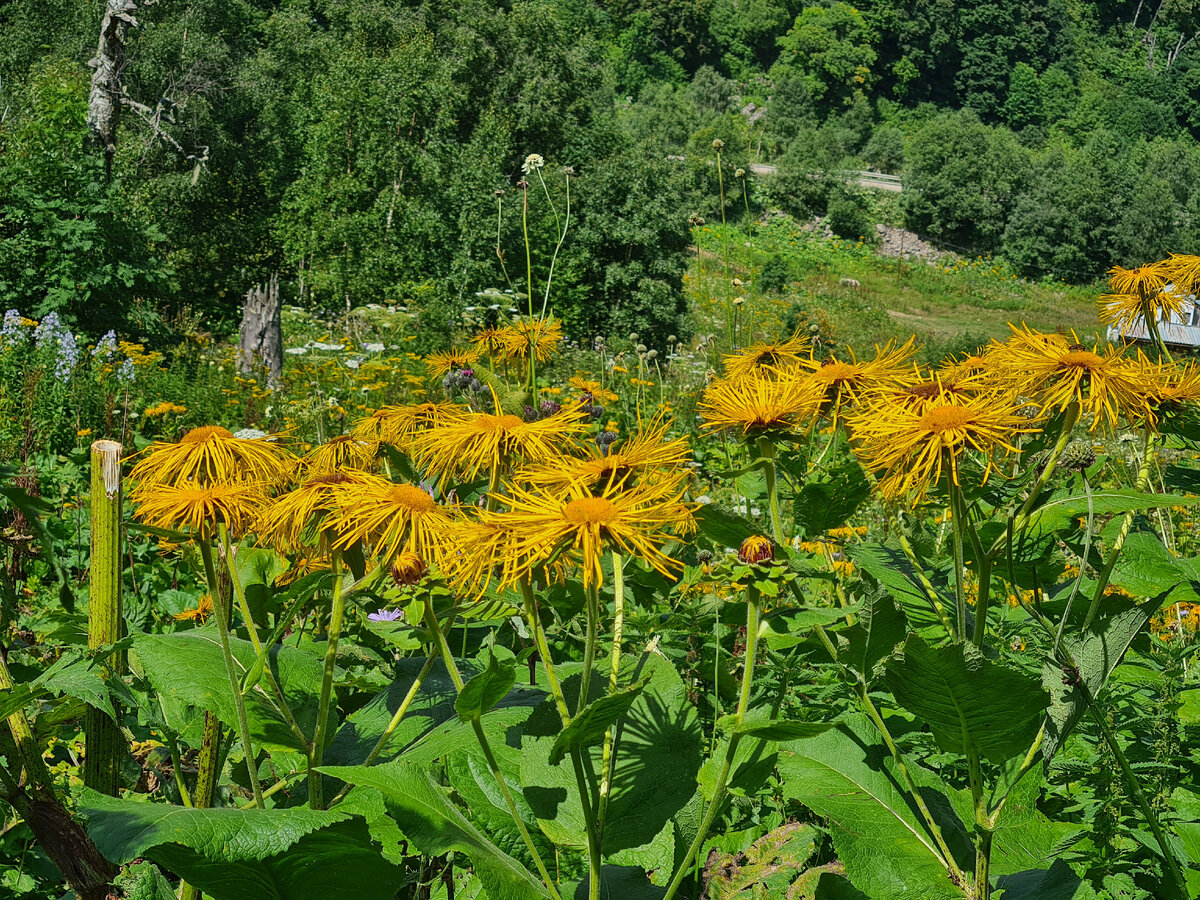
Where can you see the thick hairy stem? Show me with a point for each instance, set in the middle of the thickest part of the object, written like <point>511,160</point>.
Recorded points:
<point>337,611</point>
<point>589,646</point>
<point>960,599</point>
<point>606,759</point>
<point>714,807</point>
<point>221,610</point>
<point>102,764</point>
<point>208,766</point>
<point>1070,417</point>
<point>766,450</point>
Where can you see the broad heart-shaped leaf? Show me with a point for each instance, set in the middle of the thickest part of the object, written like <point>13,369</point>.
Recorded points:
<point>1146,568</point>
<point>587,729</point>
<point>892,571</point>
<point>881,626</point>
<point>188,666</point>
<point>967,700</point>
<point>435,826</point>
<point>845,775</point>
<point>1096,653</point>
<point>1060,513</point>
<point>468,774</point>
<point>233,854</point>
<point>1059,882</point>
<point>617,883</point>
<point>486,689</point>
<point>658,753</point>
<point>822,505</point>
<point>778,730</point>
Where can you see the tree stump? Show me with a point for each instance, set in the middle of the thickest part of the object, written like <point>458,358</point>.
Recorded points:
<point>261,344</point>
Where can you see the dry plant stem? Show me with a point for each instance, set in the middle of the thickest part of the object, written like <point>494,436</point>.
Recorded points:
<point>864,698</point>
<point>337,611</point>
<point>1143,480</point>
<point>606,758</point>
<point>29,753</point>
<point>477,726</point>
<point>244,608</point>
<point>221,610</point>
<point>102,764</point>
<point>714,806</point>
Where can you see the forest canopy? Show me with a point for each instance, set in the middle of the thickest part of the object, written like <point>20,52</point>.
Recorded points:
<point>371,152</point>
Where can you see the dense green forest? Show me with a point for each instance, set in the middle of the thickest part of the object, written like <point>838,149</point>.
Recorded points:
<point>371,151</point>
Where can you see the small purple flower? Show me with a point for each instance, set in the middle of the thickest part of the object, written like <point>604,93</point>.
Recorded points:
<point>126,373</point>
<point>47,331</point>
<point>385,615</point>
<point>68,356</point>
<point>106,346</point>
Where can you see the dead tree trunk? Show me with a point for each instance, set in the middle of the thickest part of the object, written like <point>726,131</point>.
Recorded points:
<point>104,102</point>
<point>261,342</point>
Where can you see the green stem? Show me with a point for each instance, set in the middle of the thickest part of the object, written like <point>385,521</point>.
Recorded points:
<point>930,592</point>
<point>983,826</point>
<point>606,759</point>
<point>1070,417</point>
<point>714,807</point>
<point>481,736</point>
<point>222,615</point>
<point>589,646</point>
<point>983,575</point>
<point>337,612</point>
<point>766,450</point>
<point>960,600</point>
<point>543,648</point>
<point>1110,561</point>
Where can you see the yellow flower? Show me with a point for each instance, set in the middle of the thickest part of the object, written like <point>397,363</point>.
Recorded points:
<point>478,553</point>
<point>305,510</point>
<point>542,335</point>
<point>446,361</point>
<point>83,432</point>
<point>397,425</point>
<point>757,403</point>
<point>199,613</point>
<point>1055,371</point>
<point>343,452</point>
<point>756,550</point>
<point>212,455</point>
<point>841,382</point>
<point>1144,291</point>
<point>646,454</point>
<point>408,569</point>
<point>483,441</point>
<point>163,409</point>
<point>913,448</point>
<point>787,353</point>
<point>577,526</point>
<point>599,393</point>
<point>489,341</point>
<point>1180,385</point>
<point>198,509</point>
<point>390,518</point>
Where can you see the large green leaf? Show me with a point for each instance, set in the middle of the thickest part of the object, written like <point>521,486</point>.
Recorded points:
<point>967,700</point>
<point>468,774</point>
<point>587,729</point>
<point>1096,653</point>
<point>723,526</point>
<point>435,826</point>
<point>880,628</point>
<point>658,752</point>
<point>188,667</point>
<point>1146,568</point>
<point>890,569</point>
<point>234,854</point>
<point>1064,512</point>
<point>1058,882</point>
<point>829,503</point>
<point>845,775</point>
<point>486,689</point>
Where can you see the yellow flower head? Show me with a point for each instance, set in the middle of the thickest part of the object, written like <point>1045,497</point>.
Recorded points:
<point>542,337</point>
<point>478,553</point>
<point>912,448</point>
<point>483,441</point>
<point>598,392</point>
<point>1055,371</point>
<point>1184,271</point>
<point>390,518</point>
<point>301,517</point>
<point>446,361</point>
<point>1180,385</point>
<point>408,569</point>
<point>397,425</point>
<point>756,550</point>
<point>198,509</point>
<point>760,404</point>
<point>841,381</point>
<point>645,454</point>
<point>198,613</point>
<point>1144,291</point>
<point>212,455</point>
<point>342,452</point>
<point>576,526</point>
<point>488,341</point>
<point>774,354</point>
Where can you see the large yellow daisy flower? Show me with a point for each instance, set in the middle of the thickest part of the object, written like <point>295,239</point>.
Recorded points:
<point>287,520</point>
<point>445,361</point>
<point>576,526</point>
<point>841,381</point>
<point>599,393</point>
<point>646,453</point>
<point>1055,371</point>
<point>390,518</point>
<point>397,425</point>
<point>343,452</point>
<point>483,441</point>
<point>198,509</point>
<point>212,455</point>
<point>542,337</point>
<point>760,403</point>
<point>913,447</point>
<point>1146,291</point>
<point>773,354</point>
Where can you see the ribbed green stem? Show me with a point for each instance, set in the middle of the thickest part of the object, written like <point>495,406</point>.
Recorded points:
<point>606,758</point>
<point>766,451</point>
<point>207,775</point>
<point>1070,417</point>
<point>102,764</point>
<point>714,807</point>
<point>337,610</point>
<point>589,646</point>
<point>221,614</point>
<point>543,648</point>
<point>481,736</point>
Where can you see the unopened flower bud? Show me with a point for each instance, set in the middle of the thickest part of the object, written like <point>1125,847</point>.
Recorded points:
<point>756,550</point>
